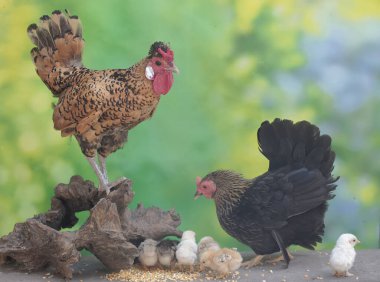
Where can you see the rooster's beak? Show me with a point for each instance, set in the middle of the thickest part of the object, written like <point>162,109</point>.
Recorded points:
<point>173,68</point>
<point>197,195</point>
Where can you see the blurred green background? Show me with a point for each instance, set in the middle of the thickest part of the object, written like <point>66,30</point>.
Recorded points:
<point>241,62</point>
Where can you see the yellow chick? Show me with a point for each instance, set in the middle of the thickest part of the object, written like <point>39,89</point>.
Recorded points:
<point>223,261</point>
<point>205,244</point>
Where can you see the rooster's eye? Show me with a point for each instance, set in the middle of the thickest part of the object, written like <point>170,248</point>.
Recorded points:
<point>158,63</point>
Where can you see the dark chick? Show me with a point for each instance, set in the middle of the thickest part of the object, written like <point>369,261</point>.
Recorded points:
<point>166,252</point>
<point>98,107</point>
<point>284,206</point>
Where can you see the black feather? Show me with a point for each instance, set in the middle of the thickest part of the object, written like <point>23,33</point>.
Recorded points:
<point>287,204</point>
<point>153,51</point>
<point>64,25</point>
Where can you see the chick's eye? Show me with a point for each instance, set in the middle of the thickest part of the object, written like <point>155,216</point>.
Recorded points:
<point>204,186</point>
<point>158,63</point>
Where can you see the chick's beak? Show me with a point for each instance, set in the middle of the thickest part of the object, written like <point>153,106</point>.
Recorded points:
<point>197,195</point>
<point>173,68</point>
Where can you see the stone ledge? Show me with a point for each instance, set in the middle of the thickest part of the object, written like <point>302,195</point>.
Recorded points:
<point>307,266</point>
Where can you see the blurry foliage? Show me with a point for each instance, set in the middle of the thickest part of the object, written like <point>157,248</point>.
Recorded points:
<point>241,62</point>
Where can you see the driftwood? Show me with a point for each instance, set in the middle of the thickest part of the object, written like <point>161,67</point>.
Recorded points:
<point>111,232</point>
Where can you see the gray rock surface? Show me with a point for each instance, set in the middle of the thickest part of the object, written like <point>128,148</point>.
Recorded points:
<point>307,266</point>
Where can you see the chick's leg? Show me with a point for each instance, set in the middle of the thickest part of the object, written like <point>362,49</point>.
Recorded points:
<point>253,262</point>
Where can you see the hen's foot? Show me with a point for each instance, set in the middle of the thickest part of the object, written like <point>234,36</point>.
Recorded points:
<point>349,274</point>
<point>280,258</point>
<point>253,262</point>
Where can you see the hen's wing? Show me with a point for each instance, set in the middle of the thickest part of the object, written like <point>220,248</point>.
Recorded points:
<point>275,197</point>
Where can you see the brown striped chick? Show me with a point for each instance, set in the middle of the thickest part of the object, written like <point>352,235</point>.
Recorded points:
<point>223,261</point>
<point>166,252</point>
<point>187,248</point>
<point>148,253</point>
<point>207,244</point>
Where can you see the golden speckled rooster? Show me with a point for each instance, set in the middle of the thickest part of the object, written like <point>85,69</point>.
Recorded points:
<point>98,107</point>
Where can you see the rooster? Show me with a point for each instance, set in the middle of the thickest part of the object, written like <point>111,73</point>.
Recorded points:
<point>98,107</point>
<point>285,205</point>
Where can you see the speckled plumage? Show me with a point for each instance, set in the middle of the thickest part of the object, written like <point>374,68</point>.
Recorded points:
<point>98,107</point>
<point>100,114</point>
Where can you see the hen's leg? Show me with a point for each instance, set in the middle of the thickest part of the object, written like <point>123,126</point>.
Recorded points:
<point>253,262</point>
<point>276,236</point>
<point>99,174</point>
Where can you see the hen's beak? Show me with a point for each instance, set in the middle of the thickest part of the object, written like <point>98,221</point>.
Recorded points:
<point>197,195</point>
<point>173,68</point>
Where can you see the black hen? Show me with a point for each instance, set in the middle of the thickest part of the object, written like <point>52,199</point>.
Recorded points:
<point>284,206</point>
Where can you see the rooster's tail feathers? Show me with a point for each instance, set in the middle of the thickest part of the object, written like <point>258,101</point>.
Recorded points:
<point>283,143</point>
<point>59,44</point>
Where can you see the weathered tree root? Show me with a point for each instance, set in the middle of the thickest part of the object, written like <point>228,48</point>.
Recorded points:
<point>111,232</point>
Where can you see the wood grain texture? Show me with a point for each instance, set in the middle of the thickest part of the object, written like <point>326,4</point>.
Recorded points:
<point>111,232</point>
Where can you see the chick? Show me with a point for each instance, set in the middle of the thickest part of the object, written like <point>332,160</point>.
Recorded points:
<point>343,255</point>
<point>166,252</point>
<point>205,244</point>
<point>223,261</point>
<point>148,253</point>
<point>186,253</point>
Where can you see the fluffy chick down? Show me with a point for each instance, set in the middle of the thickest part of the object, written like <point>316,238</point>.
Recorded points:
<point>343,255</point>
<point>166,252</point>
<point>148,253</point>
<point>207,243</point>
<point>223,261</point>
<point>187,248</point>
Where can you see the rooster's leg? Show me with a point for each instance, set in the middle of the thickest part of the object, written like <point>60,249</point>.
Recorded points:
<point>103,169</point>
<point>99,174</point>
<point>253,262</point>
<point>102,164</point>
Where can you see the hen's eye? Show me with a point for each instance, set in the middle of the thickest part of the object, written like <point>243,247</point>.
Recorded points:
<point>158,63</point>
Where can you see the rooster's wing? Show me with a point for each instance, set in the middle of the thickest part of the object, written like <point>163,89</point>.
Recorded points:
<point>86,101</point>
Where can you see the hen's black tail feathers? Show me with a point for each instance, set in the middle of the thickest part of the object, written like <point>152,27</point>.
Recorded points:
<point>299,144</point>
<point>59,45</point>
